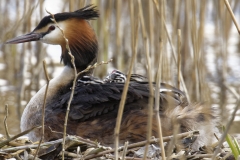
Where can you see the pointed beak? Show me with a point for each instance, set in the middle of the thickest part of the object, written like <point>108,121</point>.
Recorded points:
<point>25,38</point>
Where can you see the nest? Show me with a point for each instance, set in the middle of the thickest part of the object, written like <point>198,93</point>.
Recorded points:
<point>79,148</point>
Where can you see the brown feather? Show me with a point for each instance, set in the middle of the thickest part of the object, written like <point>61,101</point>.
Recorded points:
<point>82,42</point>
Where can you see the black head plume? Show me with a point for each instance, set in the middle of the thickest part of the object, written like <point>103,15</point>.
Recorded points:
<point>88,12</point>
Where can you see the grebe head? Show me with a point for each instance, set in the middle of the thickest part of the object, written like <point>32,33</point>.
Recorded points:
<point>81,37</point>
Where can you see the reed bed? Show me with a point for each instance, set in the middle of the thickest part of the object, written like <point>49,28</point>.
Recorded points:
<point>190,44</point>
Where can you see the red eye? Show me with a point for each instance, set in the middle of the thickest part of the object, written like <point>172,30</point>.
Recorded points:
<point>51,28</point>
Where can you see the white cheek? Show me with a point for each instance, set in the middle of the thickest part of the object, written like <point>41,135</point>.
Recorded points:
<point>55,36</point>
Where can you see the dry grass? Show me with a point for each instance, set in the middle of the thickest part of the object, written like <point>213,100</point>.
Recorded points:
<point>207,54</point>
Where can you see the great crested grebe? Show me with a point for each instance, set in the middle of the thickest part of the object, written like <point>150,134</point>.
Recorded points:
<point>94,106</point>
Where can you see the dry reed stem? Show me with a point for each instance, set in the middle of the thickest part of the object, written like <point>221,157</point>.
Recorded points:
<point>179,57</point>
<point>175,127</point>
<point>69,138</point>
<point>151,94</point>
<point>5,121</point>
<point>151,33</point>
<point>172,143</point>
<point>201,62</point>
<point>232,15</point>
<point>3,143</point>
<point>118,35</point>
<point>17,153</point>
<point>32,146</point>
<point>125,150</point>
<point>158,82</point>
<point>195,50</point>
<point>175,14</point>
<point>43,108</point>
<point>124,94</point>
<point>94,66</point>
<point>230,121</point>
<point>73,85</point>
<point>233,91</point>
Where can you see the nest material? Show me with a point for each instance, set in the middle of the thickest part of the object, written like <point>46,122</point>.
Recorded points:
<point>79,148</point>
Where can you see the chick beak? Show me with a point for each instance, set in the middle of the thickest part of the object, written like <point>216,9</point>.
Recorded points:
<point>25,38</point>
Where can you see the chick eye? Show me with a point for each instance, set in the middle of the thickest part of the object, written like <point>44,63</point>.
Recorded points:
<point>51,28</point>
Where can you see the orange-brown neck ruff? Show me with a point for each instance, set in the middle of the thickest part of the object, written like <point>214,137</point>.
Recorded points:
<point>82,42</point>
